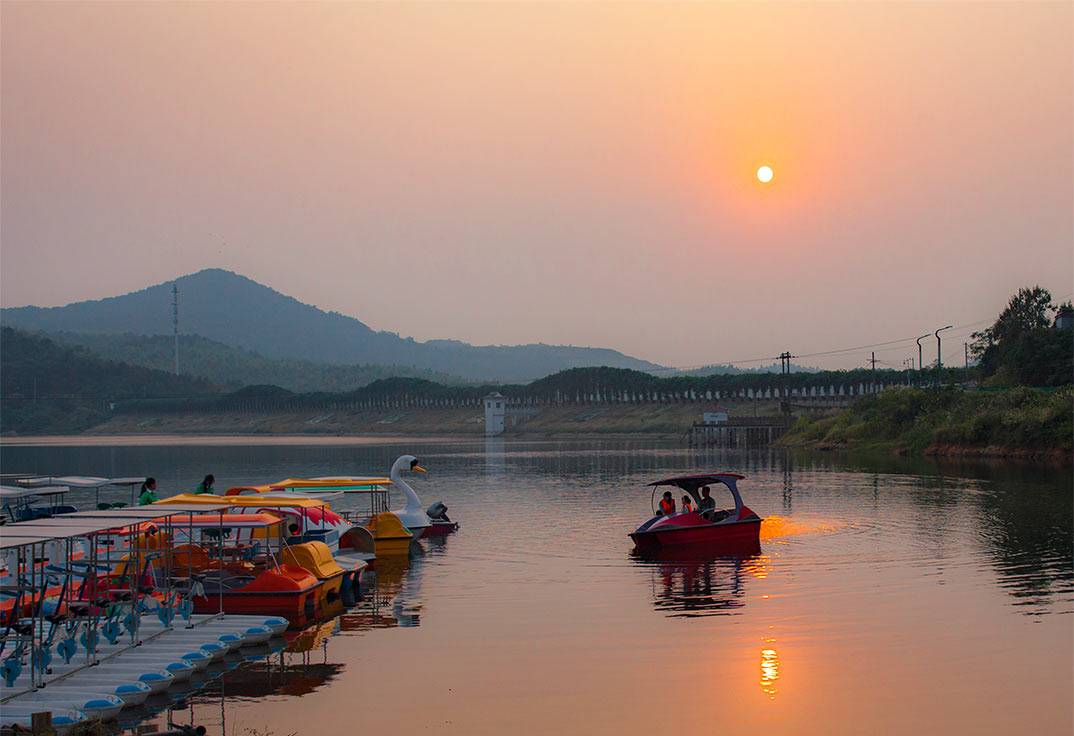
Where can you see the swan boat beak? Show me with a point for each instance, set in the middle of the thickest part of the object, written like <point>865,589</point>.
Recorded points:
<point>418,469</point>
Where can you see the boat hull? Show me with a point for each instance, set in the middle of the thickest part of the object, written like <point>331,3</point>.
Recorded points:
<point>708,536</point>
<point>440,529</point>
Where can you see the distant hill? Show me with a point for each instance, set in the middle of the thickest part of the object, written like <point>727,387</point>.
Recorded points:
<point>49,388</point>
<point>235,367</point>
<point>234,310</point>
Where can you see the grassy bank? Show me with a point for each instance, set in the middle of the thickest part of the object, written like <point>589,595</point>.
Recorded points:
<point>1021,422</point>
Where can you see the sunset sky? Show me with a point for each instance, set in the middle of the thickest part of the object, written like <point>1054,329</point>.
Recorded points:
<point>560,173</point>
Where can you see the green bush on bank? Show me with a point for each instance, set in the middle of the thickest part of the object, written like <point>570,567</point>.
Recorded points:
<point>915,419</point>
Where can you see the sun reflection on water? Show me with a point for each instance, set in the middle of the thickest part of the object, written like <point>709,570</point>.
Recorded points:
<point>769,668</point>
<point>778,527</point>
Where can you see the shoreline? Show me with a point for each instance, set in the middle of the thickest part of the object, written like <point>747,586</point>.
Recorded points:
<point>233,440</point>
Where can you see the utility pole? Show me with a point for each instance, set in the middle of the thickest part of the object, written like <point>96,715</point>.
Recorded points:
<point>966,350</point>
<point>939,355</point>
<point>784,372</point>
<point>175,323</point>
<point>920,360</point>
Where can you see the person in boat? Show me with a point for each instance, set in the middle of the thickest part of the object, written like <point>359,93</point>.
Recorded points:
<point>148,494</point>
<point>667,504</point>
<point>687,505</point>
<point>206,486</point>
<point>708,504</point>
<point>294,533</point>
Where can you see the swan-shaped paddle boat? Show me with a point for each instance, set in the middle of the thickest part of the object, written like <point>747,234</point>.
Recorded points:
<point>419,521</point>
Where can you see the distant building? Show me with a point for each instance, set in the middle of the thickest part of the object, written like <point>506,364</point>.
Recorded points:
<point>1064,319</point>
<point>495,413</point>
<point>714,417</point>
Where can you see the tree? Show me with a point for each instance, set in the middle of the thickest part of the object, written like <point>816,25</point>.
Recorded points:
<point>1020,348</point>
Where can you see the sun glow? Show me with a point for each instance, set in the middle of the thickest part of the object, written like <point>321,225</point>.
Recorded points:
<point>765,174</point>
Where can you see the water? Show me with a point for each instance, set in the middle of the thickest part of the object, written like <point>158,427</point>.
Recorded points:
<point>890,596</point>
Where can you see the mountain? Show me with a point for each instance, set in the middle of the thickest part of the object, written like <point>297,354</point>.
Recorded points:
<point>235,367</point>
<point>49,388</point>
<point>234,310</point>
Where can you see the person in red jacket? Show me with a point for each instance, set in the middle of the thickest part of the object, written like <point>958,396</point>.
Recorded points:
<point>667,504</point>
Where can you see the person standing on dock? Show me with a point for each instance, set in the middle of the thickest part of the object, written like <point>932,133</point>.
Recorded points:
<point>148,494</point>
<point>206,486</point>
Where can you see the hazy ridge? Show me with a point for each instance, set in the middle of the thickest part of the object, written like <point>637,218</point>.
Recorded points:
<point>237,311</point>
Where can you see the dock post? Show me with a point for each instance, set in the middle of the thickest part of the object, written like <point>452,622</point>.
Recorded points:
<point>41,724</point>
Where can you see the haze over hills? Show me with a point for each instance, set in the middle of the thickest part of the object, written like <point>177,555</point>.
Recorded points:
<point>237,311</point>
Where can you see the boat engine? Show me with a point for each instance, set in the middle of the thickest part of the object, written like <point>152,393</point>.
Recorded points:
<point>438,511</point>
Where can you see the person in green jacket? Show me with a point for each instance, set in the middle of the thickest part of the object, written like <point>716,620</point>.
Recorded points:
<point>206,486</point>
<point>148,494</point>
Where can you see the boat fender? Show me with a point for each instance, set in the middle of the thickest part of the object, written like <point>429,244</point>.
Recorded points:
<point>11,669</point>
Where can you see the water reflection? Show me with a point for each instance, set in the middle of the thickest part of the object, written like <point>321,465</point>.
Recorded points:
<point>704,586</point>
<point>769,668</point>
<point>910,560</point>
<point>392,592</point>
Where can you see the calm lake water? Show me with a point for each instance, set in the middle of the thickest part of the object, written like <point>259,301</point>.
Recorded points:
<point>890,597</point>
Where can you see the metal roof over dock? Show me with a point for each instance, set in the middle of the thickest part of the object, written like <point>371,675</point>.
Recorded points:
<point>84,523</point>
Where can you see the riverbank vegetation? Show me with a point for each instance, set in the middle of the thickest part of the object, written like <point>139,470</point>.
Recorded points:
<point>1008,422</point>
<point>1021,403</point>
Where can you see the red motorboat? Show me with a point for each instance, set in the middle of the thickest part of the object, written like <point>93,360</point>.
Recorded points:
<point>703,527</point>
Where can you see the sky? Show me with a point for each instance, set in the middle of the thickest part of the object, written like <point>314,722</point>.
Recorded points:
<point>541,172</point>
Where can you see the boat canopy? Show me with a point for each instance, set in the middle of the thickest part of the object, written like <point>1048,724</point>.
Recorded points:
<point>261,502</point>
<point>331,481</point>
<point>78,481</point>
<point>85,523</point>
<point>11,493</point>
<point>690,482</point>
<point>227,521</point>
<point>693,484</point>
<point>348,484</point>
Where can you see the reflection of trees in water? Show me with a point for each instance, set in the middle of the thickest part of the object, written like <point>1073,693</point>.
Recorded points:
<point>709,586</point>
<point>1020,514</point>
<point>1030,536</point>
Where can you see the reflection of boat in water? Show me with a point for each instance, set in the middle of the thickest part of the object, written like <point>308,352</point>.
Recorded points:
<point>702,586</point>
<point>725,530</point>
<point>392,598</point>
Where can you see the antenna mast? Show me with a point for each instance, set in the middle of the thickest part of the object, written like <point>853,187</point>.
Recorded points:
<point>175,323</point>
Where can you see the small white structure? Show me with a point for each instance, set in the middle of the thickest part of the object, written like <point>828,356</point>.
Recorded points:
<point>495,413</point>
<point>714,417</point>
<point>1064,319</point>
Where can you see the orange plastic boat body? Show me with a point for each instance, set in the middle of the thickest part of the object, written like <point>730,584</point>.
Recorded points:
<point>287,591</point>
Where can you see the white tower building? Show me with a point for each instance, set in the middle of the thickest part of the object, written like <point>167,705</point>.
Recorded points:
<point>495,413</point>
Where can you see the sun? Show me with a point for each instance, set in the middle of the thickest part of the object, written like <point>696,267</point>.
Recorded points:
<point>765,174</point>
